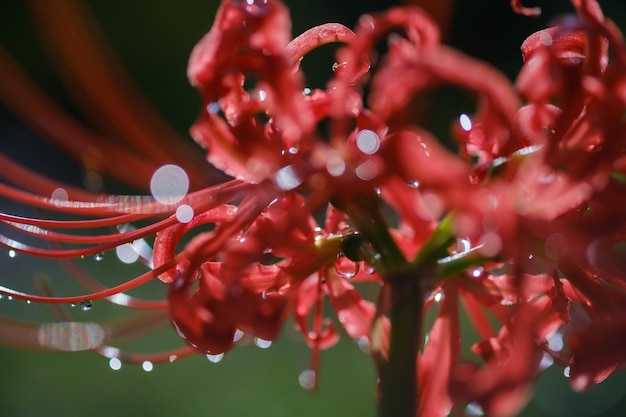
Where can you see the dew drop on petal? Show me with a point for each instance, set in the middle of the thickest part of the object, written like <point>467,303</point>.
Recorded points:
<point>339,66</point>
<point>147,366</point>
<point>368,170</point>
<point>256,8</point>
<point>184,213</point>
<point>368,141</point>
<point>99,256</point>
<point>12,253</point>
<point>346,268</point>
<point>306,379</point>
<point>555,342</point>
<point>115,364</point>
<point>335,165</point>
<point>466,122</point>
<point>477,272</point>
<point>474,409</point>
<point>213,107</point>
<point>86,305</point>
<point>239,334</point>
<point>172,358</point>
<point>413,184</point>
<point>169,184</point>
<point>215,358</point>
<point>364,344</point>
<point>287,179</point>
<point>259,95</point>
<point>262,343</point>
<point>546,362</point>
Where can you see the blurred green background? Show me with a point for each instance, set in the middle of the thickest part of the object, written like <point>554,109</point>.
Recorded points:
<point>153,38</point>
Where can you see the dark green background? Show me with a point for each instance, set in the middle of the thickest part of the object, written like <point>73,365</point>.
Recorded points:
<point>153,38</point>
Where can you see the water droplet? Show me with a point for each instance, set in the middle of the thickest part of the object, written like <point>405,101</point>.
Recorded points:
<point>184,213</point>
<point>368,269</point>
<point>378,191</point>
<point>546,361</point>
<point>466,122</point>
<point>287,178</point>
<point>306,91</point>
<point>239,334</point>
<point>147,366</point>
<point>262,343</point>
<point>12,253</point>
<point>169,184</point>
<point>28,302</point>
<point>115,364</point>
<point>346,268</point>
<point>368,141</point>
<point>73,305</point>
<point>364,344</point>
<point>10,298</point>
<point>259,95</point>
<point>335,165</point>
<point>215,358</point>
<point>307,379</point>
<point>474,409</point>
<point>213,107</point>
<point>436,296</point>
<point>352,245</point>
<point>173,358</point>
<point>86,305</point>
<point>339,66</point>
<point>477,272</point>
<point>555,342</point>
<point>566,372</point>
<point>367,171</point>
<point>126,253</point>
<point>99,256</point>
<point>256,8</point>
<point>413,184</point>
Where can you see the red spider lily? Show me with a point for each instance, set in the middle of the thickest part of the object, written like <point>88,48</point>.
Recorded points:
<point>523,228</point>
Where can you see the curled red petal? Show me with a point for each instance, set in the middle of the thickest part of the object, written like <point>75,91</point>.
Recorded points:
<point>167,240</point>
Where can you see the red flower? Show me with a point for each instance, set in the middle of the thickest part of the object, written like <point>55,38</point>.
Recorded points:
<point>523,228</point>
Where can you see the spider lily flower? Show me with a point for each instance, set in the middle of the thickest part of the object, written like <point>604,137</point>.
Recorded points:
<point>522,229</point>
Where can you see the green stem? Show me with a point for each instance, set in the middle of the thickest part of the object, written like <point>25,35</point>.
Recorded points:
<point>406,282</point>
<point>399,378</point>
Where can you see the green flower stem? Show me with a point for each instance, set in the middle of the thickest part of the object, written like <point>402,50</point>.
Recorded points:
<point>398,377</point>
<point>365,215</point>
<point>399,390</point>
<point>407,283</point>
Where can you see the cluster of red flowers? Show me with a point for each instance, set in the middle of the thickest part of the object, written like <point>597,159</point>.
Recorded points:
<point>523,228</point>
